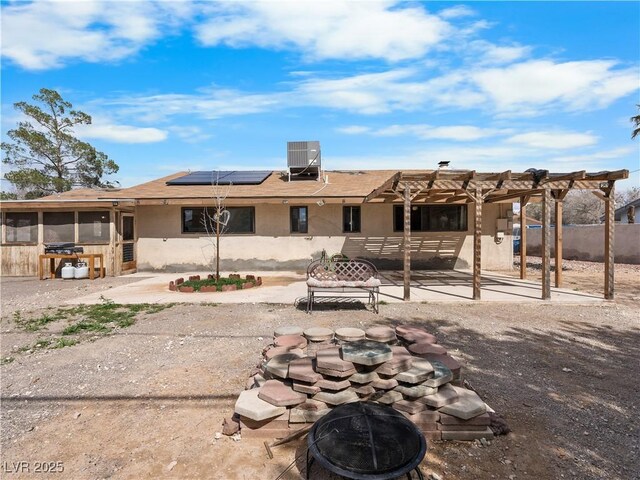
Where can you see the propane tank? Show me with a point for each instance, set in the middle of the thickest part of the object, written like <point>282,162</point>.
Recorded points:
<point>68,271</point>
<point>81,270</point>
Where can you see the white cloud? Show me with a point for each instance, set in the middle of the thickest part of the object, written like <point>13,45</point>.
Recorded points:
<point>457,11</point>
<point>524,89</point>
<point>599,157</point>
<point>326,30</point>
<point>554,140</point>
<point>353,130</point>
<point>528,87</point>
<point>46,34</point>
<point>461,133</point>
<point>104,130</point>
<point>190,133</point>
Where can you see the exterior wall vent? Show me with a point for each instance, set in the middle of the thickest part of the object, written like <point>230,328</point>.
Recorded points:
<point>304,160</point>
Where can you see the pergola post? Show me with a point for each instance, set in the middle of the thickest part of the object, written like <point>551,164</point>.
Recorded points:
<point>609,242</point>
<point>558,243</point>
<point>477,244</point>
<point>406,244</point>
<point>546,244</point>
<point>523,238</point>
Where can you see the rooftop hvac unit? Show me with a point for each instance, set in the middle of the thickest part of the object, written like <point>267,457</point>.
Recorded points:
<point>304,160</point>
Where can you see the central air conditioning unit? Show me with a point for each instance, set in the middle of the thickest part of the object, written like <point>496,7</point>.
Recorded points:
<point>304,160</point>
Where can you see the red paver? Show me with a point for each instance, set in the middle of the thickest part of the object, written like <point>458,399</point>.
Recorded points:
<point>447,360</point>
<point>330,359</point>
<point>303,369</point>
<point>380,334</point>
<point>277,393</point>
<point>290,341</point>
<point>409,406</point>
<point>333,385</point>
<point>335,373</point>
<point>384,383</point>
<point>414,334</point>
<point>305,388</point>
<point>420,348</point>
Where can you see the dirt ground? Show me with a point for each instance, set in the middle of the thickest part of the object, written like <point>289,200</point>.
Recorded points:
<point>131,403</point>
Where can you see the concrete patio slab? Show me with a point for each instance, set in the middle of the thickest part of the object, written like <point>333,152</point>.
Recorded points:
<point>290,287</point>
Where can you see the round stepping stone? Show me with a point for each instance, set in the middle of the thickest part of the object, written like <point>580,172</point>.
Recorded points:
<point>279,365</point>
<point>348,334</point>
<point>414,334</point>
<point>366,352</point>
<point>422,348</point>
<point>287,330</point>
<point>291,341</point>
<point>318,334</point>
<point>380,334</point>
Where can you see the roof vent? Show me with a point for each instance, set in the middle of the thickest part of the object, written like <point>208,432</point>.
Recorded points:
<point>304,160</point>
<point>443,165</point>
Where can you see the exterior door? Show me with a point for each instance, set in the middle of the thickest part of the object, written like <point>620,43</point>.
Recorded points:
<point>128,242</point>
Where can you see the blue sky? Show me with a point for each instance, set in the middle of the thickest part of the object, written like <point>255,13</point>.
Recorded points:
<point>175,85</point>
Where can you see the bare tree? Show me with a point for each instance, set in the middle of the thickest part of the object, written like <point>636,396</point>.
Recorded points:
<point>583,207</point>
<point>216,218</point>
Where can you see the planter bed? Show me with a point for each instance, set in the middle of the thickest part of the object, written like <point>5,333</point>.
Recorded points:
<point>210,284</point>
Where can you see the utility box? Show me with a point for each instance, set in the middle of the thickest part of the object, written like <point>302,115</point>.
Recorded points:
<point>304,160</point>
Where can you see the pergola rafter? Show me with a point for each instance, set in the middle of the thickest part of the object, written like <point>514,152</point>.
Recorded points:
<point>469,186</point>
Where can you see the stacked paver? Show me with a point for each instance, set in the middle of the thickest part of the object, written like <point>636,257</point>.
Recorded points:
<point>304,374</point>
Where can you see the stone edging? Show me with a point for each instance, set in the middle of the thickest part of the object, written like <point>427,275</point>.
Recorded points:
<point>251,282</point>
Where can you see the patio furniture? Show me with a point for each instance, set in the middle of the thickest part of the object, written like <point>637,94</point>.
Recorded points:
<point>52,257</point>
<point>354,278</point>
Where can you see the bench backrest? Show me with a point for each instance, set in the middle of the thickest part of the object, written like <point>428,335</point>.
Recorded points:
<point>348,270</point>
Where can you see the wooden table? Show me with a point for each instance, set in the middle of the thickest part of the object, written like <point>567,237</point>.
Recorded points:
<point>52,257</point>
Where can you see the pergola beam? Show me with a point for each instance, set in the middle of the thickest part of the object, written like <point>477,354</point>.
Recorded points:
<point>546,244</point>
<point>406,244</point>
<point>609,242</point>
<point>390,184</point>
<point>523,237</point>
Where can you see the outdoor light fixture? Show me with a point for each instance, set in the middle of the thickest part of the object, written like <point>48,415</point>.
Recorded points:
<point>115,204</point>
<point>320,203</point>
<point>284,202</point>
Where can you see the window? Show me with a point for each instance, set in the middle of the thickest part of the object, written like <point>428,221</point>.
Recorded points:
<point>299,220</point>
<point>351,219</point>
<point>22,227</point>
<point>432,218</point>
<point>58,227</point>
<point>93,227</point>
<point>241,220</point>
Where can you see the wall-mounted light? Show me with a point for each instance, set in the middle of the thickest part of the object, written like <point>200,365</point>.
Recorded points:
<point>320,203</point>
<point>284,202</point>
<point>115,204</point>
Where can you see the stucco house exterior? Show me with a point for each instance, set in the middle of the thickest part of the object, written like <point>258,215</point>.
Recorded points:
<point>277,223</point>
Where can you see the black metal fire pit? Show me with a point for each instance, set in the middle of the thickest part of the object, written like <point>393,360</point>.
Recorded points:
<point>366,441</point>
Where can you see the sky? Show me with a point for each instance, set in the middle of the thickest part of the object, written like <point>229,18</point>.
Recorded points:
<point>185,85</point>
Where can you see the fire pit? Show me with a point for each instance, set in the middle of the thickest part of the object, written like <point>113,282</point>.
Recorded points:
<point>366,441</point>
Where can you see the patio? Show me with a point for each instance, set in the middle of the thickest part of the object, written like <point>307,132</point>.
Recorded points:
<point>289,287</point>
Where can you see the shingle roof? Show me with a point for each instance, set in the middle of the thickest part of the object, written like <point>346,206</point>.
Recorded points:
<point>342,183</point>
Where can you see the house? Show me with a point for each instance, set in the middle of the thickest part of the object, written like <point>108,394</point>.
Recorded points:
<point>274,224</point>
<point>621,214</point>
<point>450,219</point>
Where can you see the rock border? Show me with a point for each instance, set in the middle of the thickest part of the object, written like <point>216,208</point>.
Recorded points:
<point>251,282</point>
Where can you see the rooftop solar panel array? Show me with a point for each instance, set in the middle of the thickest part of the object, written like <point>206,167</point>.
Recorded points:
<point>222,177</point>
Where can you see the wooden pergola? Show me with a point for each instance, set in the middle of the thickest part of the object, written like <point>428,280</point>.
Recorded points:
<point>467,186</point>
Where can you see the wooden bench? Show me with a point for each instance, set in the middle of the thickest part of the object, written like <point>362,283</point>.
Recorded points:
<point>353,278</point>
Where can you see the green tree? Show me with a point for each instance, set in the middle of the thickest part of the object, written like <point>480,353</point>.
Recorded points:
<point>636,122</point>
<point>45,156</point>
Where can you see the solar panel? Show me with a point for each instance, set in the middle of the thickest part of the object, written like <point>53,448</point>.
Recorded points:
<point>222,177</point>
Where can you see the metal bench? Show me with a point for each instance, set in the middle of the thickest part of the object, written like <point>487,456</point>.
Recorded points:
<point>353,278</point>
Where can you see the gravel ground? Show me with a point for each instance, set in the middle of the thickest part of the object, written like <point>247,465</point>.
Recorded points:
<point>129,404</point>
